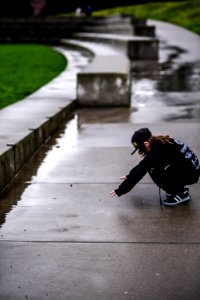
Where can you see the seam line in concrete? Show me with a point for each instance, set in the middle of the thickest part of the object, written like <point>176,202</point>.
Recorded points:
<point>101,242</point>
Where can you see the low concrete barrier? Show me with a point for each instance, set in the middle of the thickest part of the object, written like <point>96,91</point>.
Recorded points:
<point>15,152</point>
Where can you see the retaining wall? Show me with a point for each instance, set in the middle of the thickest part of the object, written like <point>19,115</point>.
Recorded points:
<point>13,156</point>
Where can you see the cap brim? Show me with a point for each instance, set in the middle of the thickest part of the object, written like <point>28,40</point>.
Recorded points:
<point>134,151</point>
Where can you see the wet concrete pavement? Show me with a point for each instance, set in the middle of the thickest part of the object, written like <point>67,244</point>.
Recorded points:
<point>64,237</point>
<point>170,90</point>
<point>67,238</point>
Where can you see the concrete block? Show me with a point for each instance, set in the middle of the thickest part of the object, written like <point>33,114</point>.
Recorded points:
<point>104,82</point>
<point>103,89</point>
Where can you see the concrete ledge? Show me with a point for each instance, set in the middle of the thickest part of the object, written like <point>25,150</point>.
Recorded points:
<point>15,154</point>
<point>139,48</point>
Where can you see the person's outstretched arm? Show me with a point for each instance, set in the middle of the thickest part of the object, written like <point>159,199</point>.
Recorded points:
<point>135,175</point>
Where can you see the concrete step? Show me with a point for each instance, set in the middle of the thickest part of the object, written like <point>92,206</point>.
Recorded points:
<point>135,47</point>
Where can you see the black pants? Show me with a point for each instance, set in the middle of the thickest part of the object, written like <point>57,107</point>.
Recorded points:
<point>174,179</point>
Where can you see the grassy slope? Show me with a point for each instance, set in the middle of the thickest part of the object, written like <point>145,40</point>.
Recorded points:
<point>25,68</point>
<point>185,14</point>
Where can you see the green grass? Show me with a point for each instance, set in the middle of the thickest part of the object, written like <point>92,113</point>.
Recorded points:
<point>25,68</point>
<point>185,14</point>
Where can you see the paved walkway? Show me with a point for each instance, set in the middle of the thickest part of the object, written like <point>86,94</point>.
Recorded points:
<point>67,238</point>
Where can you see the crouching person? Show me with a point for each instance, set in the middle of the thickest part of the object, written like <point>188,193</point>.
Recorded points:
<point>171,164</point>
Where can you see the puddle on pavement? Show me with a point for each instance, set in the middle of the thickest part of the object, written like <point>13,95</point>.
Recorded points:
<point>166,77</point>
<point>165,91</point>
<point>167,82</point>
<point>186,78</point>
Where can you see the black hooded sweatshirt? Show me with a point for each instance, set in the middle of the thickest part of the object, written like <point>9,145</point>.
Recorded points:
<point>170,165</point>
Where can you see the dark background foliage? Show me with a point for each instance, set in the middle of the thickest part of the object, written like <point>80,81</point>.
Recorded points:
<point>22,8</point>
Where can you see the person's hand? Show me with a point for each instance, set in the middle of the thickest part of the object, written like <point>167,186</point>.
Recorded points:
<point>113,193</point>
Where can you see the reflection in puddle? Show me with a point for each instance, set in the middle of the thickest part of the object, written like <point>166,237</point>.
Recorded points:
<point>167,90</point>
<point>185,78</point>
<point>103,115</point>
<point>142,90</point>
<point>10,199</point>
<point>64,145</point>
<point>40,164</point>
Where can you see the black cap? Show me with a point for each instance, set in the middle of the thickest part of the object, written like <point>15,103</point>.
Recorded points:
<point>139,137</point>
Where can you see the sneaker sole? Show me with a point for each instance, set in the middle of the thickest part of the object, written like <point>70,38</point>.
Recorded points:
<point>177,203</point>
